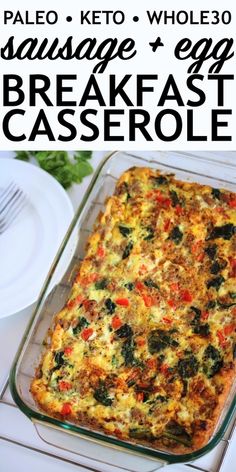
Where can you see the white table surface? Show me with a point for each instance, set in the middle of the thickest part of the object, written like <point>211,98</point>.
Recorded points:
<point>33,453</point>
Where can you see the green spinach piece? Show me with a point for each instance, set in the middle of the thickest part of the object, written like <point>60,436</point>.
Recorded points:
<point>101,284</point>
<point>150,234</point>
<point>114,361</point>
<point>225,305</point>
<point>211,304</point>
<point>234,351</point>
<point>216,193</point>
<point>185,388</point>
<point>161,399</point>
<point>215,282</point>
<point>124,331</point>
<point>127,351</point>
<point>225,232</point>
<point>160,180</point>
<point>82,323</point>
<point>178,433</point>
<point>125,231</point>
<point>128,196</point>
<point>101,394</point>
<point>141,433</point>
<point>176,235</point>
<point>159,339</point>
<point>212,361</point>
<point>211,251</point>
<point>188,367</point>
<point>129,286</point>
<point>202,329</point>
<point>59,359</point>
<point>110,306</point>
<point>128,250</point>
<point>154,403</point>
<point>174,198</point>
<point>197,315</point>
<point>150,284</point>
<point>215,268</point>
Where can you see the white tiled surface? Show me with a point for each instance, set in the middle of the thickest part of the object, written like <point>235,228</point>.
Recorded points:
<point>21,459</point>
<point>16,429</point>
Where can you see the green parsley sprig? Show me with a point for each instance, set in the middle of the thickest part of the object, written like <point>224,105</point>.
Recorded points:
<point>64,168</point>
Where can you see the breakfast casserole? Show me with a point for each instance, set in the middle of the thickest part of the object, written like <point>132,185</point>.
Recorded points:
<point>144,349</point>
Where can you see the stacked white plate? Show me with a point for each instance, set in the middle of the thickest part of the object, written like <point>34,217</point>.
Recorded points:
<point>29,245</point>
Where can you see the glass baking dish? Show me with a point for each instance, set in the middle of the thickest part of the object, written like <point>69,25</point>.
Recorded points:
<point>53,296</point>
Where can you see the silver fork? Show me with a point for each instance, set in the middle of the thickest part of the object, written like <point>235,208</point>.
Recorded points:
<point>12,202</point>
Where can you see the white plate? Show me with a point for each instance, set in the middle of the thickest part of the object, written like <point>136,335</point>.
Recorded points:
<point>29,245</point>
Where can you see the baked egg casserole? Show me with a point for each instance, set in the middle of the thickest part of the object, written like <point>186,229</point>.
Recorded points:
<point>144,349</point>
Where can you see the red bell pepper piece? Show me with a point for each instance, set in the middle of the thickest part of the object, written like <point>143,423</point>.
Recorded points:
<point>172,304</point>
<point>118,433</point>
<point>87,280</point>
<point>139,286</point>
<point>64,386</point>
<point>164,369</point>
<point>66,409</point>
<point>86,333</point>
<point>174,287</point>
<point>232,203</point>
<point>68,351</point>
<point>100,252</point>
<point>229,329</point>
<point>76,301</point>
<point>140,341</point>
<point>143,269</point>
<point>122,302</point>
<point>140,396</point>
<point>221,337</point>
<point>116,322</point>
<point>204,315</point>
<point>232,262</point>
<point>148,301</point>
<point>200,257</point>
<point>151,363</point>
<point>167,320</point>
<point>186,296</point>
<point>164,201</point>
<point>167,224</point>
<point>179,210</point>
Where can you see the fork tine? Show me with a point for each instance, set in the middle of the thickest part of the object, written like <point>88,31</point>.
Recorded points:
<point>13,214</point>
<point>12,207</point>
<point>10,202</point>
<point>4,193</point>
<point>6,189</point>
<point>8,197</point>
